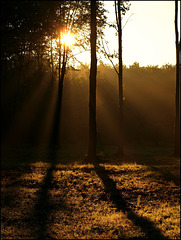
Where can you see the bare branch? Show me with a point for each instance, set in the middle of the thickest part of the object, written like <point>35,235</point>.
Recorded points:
<point>128,20</point>
<point>108,56</point>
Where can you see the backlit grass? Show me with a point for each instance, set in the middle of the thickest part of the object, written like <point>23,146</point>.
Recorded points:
<point>78,201</point>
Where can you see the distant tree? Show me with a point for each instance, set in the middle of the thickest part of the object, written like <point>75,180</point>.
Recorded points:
<point>24,29</point>
<point>177,120</point>
<point>92,93</point>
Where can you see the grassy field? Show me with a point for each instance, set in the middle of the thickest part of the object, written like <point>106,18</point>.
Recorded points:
<point>51,195</point>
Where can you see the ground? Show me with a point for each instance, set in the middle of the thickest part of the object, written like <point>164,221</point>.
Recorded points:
<point>136,197</point>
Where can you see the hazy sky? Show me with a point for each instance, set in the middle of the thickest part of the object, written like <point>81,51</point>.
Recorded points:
<point>149,35</point>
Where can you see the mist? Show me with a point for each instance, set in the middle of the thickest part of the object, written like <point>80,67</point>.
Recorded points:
<point>148,107</point>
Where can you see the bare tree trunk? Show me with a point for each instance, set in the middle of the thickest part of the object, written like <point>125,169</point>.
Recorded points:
<point>56,141</point>
<point>62,75</point>
<point>121,128</point>
<point>59,59</point>
<point>38,56</point>
<point>51,57</point>
<point>59,47</point>
<point>92,86</point>
<point>177,122</point>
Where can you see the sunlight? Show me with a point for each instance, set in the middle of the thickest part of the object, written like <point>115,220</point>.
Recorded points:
<point>68,39</point>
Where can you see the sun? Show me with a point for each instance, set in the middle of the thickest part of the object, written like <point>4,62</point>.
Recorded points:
<point>68,39</point>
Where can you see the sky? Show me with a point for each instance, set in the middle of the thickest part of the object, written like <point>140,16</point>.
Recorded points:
<point>148,36</point>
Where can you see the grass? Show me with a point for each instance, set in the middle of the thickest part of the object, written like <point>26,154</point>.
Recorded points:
<point>137,197</point>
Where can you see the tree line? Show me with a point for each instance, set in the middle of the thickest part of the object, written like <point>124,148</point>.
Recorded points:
<point>148,97</point>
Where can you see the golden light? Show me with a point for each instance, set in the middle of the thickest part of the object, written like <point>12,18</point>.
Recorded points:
<point>68,39</point>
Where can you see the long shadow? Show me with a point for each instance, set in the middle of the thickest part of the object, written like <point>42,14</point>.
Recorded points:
<point>154,164</point>
<point>146,225</point>
<point>168,176</point>
<point>38,220</point>
<point>42,209</point>
<point>45,206</point>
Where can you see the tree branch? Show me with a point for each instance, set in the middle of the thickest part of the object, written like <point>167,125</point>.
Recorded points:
<point>108,56</point>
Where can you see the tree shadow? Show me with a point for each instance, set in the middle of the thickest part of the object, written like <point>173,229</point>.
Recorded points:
<point>44,206</point>
<point>117,199</point>
<point>42,209</point>
<point>154,163</point>
<point>166,175</point>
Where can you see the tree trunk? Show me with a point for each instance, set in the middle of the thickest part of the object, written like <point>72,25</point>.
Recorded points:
<point>51,59</point>
<point>62,75</point>
<point>92,87</point>
<point>177,122</point>
<point>121,128</point>
<point>59,59</point>
<point>56,132</point>
<point>59,49</point>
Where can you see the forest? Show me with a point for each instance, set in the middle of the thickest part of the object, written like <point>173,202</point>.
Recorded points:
<point>148,106</point>
<point>87,151</point>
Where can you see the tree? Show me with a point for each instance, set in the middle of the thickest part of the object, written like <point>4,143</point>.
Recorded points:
<point>177,121</point>
<point>24,29</point>
<point>120,9</point>
<point>92,93</point>
<point>72,15</point>
<point>29,31</point>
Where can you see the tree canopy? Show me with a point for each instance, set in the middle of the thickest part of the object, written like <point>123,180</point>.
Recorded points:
<point>28,26</point>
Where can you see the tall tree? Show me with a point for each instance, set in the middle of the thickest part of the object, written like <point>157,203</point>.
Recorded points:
<point>120,10</point>
<point>72,16</point>
<point>92,93</point>
<point>121,133</point>
<point>177,121</point>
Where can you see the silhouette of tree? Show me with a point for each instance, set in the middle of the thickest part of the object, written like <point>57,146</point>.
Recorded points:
<point>120,9</point>
<point>92,93</point>
<point>24,28</point>
<point>177,121</point>
<point>70,18</point>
